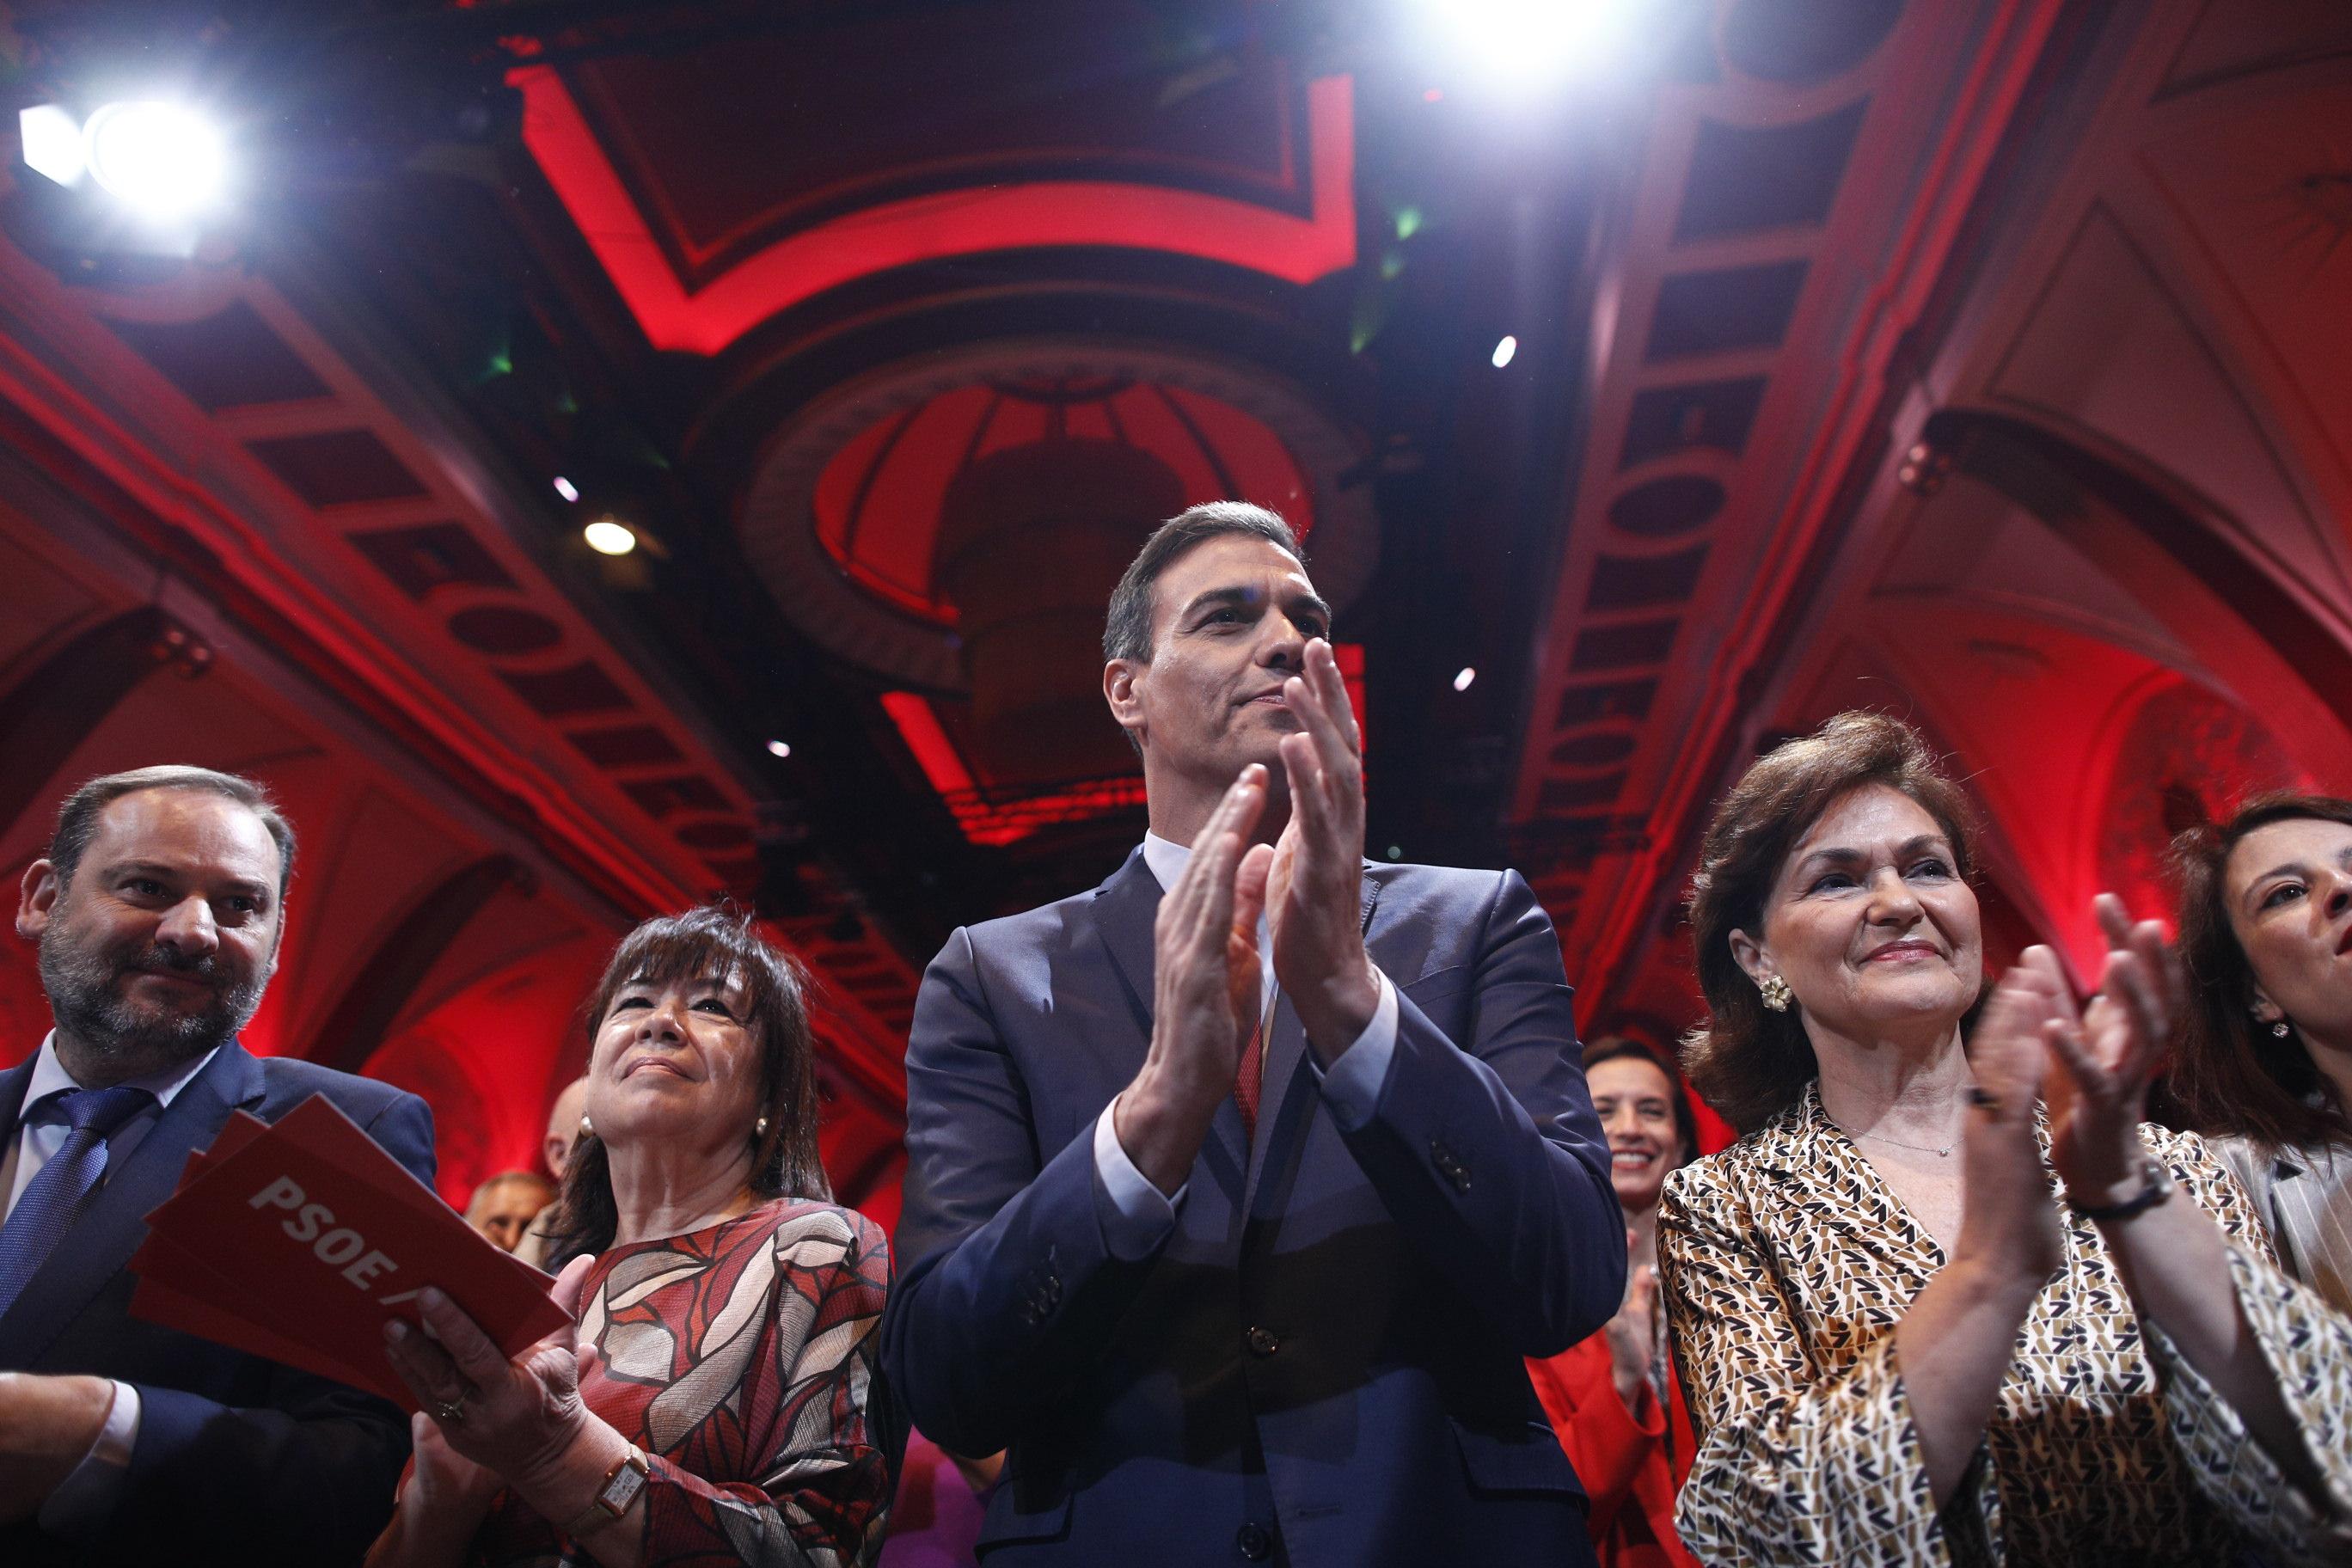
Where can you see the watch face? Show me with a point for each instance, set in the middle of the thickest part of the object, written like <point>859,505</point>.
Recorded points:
<point>623,1490</point>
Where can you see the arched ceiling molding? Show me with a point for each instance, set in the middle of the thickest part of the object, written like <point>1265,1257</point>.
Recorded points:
<point>2170,745</point>
<point>51,710</point>
<point>2154,358</point>
<point>2259,635</point>
<point>1016,215</point>
<point>359,1021</point>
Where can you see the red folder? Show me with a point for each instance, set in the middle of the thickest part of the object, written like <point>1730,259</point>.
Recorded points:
<point>298,1241</point>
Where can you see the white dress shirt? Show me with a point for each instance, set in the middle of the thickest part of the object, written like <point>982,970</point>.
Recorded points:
<point>1141,1215</point>
<point>86,1495</point>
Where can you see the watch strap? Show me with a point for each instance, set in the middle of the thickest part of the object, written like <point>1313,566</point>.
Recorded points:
<point>623,1484</point>
<point>2156,1186</point>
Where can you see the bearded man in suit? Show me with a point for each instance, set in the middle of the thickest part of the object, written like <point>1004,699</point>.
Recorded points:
<point>158,911</point>
<point>1239,1186</point>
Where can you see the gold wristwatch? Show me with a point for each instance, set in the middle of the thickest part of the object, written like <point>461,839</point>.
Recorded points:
<point>623,1482</point>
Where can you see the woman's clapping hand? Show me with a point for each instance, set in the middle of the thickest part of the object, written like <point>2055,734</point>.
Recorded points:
<point>2008,1223</point>
<point>2107,1053</point>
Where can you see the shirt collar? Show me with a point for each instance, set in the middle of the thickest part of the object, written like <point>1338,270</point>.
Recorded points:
<point>49,1077</point>
<point>1166,858</point>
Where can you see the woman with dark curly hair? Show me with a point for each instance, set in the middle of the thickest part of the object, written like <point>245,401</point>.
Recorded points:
<point>715,1402</point>
<point>2263,1065</point>
<point>1949,1301</point>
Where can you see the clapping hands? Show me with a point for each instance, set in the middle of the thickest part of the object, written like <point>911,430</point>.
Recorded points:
<point>1315,888</point>
<point>2100,1059</point>
<point>2108,1052</point>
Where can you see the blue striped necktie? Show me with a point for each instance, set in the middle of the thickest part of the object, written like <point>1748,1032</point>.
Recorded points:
<point>56,1196</point>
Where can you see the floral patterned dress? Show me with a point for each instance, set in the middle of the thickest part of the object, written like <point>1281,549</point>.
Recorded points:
<point>1786,1263</point>
<point>741,1358</point>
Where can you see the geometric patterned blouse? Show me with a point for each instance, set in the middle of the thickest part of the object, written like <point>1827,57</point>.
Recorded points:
<point>1786,1264</point>
<point>741,1358</point>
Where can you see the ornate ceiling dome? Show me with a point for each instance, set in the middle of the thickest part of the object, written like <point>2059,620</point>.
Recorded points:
<point>956,524</point>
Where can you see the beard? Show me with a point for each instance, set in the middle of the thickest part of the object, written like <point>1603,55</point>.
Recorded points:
<point>85,991</point>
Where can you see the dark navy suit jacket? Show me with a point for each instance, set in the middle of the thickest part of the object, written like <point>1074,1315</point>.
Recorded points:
<point>1323,1360</point>
<point>239,1460</point>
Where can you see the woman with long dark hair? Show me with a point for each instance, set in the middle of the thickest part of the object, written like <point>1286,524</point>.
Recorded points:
<point>2263,1064</point>
<point>713,1405</point>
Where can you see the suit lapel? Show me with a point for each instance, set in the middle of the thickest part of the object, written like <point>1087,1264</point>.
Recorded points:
<point>1125,908</point>
<point>12,1084</point>
<point>111,1229</point>
<point>1287,1075</point>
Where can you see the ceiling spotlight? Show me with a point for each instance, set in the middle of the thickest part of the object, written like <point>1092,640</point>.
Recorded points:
<point>1532,43</point>
<point>608,537</point>
<point>779,748</point>
<point>53,144</point>
<point>1505,350</point>
<point>565,489</point>
<point>1462,681</point>
<point>161,159</point>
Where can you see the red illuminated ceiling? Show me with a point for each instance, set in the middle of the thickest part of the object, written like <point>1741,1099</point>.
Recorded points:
<point>878,502</point>
<point>700,275</point>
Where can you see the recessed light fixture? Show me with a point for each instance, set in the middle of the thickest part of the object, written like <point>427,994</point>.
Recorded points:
<point>779,748</point>
<point>1462,681</point>
<point>608,537</point>
<point>1527,45</point>
<point>161,161</point>
<point>565,489</point>
<point>1505,350</point>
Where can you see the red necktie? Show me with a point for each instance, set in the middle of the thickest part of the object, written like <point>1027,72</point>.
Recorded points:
<point>1251,1078</point>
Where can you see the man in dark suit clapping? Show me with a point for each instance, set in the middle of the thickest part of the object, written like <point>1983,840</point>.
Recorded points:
<point>158,911</point>
<point>1239,1186</point>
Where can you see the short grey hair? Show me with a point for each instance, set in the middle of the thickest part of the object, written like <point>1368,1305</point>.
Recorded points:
<point>1127,631</point>
<point>78,817</point>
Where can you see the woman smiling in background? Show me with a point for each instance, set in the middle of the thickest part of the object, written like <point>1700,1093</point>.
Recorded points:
<point>1613,1398</point>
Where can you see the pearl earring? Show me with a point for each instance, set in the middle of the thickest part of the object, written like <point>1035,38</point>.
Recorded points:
<point>587,1127</point>
<point>759,1128</point>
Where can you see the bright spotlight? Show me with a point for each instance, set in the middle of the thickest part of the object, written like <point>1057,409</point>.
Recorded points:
<point>161,159</point>
<point>608,537</point>
<point>53,145</point>
<point>1532,42</point>
<point>1462,681</point>
<point>566,488</point>
<point>1505,350</point>
<point>779,748</point>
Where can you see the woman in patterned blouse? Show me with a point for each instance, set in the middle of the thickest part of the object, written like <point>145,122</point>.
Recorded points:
<point>2088,1358</point>
<point>2264,1064</point>
<point>713,1406</point>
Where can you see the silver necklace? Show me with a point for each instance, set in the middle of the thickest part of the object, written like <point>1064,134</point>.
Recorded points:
<point>1943,1153</point>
